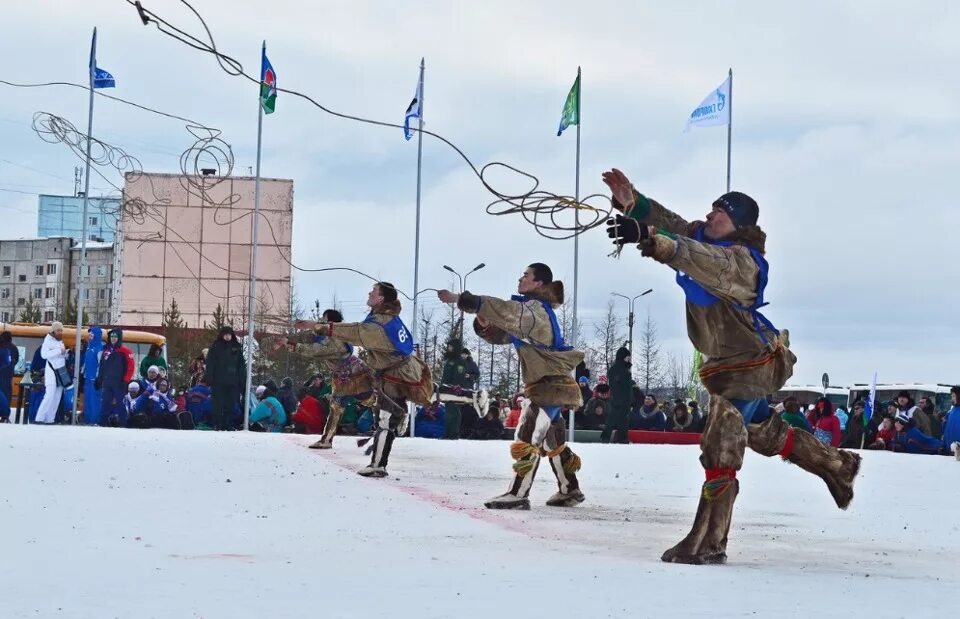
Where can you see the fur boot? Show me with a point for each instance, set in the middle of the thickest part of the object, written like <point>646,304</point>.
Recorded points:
<point>836,467</point>
<point>722,446</point>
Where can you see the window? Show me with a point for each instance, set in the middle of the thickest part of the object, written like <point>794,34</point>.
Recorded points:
<point>94,221</point>
<point>48,317</point>
<point>21,278</point>
<point>86,294</point>
<point>21,301</point>
<point>7,271</point>
<point>6,317</point>
<point>102,294</point>
<point>38,293</point>
<point>39,270</point>
<point>101,270</point>
<point>51,269</point>
<point>5,293</point>
<point>49,293</point>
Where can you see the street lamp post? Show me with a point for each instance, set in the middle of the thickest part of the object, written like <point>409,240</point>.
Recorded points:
<point>630,318</point>
<point>463,282</point>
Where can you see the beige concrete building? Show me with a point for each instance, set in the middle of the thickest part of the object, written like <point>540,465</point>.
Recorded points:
<point>191,241</point>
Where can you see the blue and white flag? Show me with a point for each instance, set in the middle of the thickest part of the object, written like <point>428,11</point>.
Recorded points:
<point>871,401</point>
<point>713,110</point>
<point>98,77</point>
<point>414,110</point>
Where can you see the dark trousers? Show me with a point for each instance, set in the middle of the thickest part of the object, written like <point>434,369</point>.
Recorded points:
<point>454,412</point>
<point>224,402</point>
<point>111,403</point>
<point>615,428</point>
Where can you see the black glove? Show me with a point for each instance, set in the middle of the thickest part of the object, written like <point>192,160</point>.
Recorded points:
<point>97,383</point>
<point>625,230</point>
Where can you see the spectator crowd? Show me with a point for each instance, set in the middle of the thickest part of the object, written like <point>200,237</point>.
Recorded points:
<point>211,397</point>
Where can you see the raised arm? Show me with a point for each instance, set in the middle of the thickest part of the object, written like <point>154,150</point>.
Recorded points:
<point>645,210</point>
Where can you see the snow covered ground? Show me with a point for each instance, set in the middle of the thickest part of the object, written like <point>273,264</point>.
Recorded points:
<point>98,523</point>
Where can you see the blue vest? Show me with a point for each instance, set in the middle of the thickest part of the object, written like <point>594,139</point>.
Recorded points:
<point>698,295</point>
<point>558,345</point>
<point>397,333</point>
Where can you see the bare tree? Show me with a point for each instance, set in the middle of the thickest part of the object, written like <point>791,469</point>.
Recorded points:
<point>609,337</point>
<point>647,361</point>
<point>677,376</point>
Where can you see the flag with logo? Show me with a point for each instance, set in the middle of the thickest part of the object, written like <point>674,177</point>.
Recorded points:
<point>98,77</point>
<point>871,401</point>
<point>414,109</point>
<point>714,110</point>
<point>268,85</point>
<point>571,107</point>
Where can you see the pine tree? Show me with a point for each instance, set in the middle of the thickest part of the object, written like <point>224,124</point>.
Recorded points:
<point>31,312</point>
<point>69,315</point>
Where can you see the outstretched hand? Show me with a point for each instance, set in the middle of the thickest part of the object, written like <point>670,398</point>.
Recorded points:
<point>621,188</point>
<point>626,230</point>
<point>446,296</point>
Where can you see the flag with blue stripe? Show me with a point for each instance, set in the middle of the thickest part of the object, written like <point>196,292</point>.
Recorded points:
<point>99,78</point>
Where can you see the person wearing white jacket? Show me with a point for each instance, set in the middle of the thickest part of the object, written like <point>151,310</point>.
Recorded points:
<point>54,353</point>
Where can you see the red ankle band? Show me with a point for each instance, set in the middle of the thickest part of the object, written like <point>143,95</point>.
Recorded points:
<point>787,445</point>
<point>720,473</point>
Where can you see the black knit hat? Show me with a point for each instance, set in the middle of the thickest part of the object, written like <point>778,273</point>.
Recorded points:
<point>741,208</point>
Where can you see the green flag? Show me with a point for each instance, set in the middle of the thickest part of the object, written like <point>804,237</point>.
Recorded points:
<point>268,85</point>
<point>571,107</point>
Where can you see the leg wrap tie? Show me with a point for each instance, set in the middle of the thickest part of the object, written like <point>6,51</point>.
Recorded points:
<point>572,465</point>
<point>787,445</point>
<point>718,481</point>
<point>555,452</point>
<point>521,449</point>
<point>525,465</point>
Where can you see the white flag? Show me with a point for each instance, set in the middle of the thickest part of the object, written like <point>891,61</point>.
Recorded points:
<point>414,109</point>
<point>713,110</point>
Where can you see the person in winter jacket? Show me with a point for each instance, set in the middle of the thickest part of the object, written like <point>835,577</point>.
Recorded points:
<point>827,427</point>
<point>310,416</point>
<point>200,404</point>
<point>398,372</point>
<point>721,267</point>
<point>929,410</point>
<point>431,422</point>
<point>9,357</point>
<point>885,434</point>
<point>528,321</point>
<point>158,405</point>
<point>226,373</point>
<point>854,436</point>
<point>698,421</point>
<point>114,374</point>
<point>951,423</point>
<point>268,415</point>
<point>459,372</point>
<point>792,415</point>
<point>648,416</point>
<point>351,381</point>
<point>154,357</point>
<point>489,427</point>
<point>621,396</point>
<point>287,397</point>
<point>909,409</point>
<point>910,439</point>
<point>596,415</point>
<point>680,419</point>
<point>586,393</point>
<point>127,417</point>
<point>54,354</point>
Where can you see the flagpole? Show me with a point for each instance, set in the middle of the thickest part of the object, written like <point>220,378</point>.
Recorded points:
<point>729,127</point>
<point>416,242</point>
<point>576,242</point>
<point>253,258</point>
<point>78,361</point>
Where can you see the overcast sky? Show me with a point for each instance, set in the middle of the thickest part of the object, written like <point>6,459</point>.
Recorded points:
<point>845,130</point>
